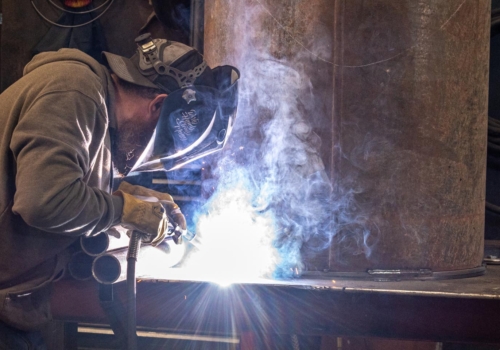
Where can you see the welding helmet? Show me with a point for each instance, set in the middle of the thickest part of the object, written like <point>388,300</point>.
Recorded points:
<point>197,116</point>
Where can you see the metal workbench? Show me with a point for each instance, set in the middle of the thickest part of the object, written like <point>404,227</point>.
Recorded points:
<point>458,310</point>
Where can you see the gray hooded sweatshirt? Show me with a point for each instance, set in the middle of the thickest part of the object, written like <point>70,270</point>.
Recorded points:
<point>55,172</point>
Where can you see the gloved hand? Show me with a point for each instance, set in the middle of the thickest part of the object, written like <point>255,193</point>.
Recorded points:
<point>146,217</point>
<point>173,211</point>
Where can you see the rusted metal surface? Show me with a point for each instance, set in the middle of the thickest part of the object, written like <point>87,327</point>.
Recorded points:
<point>457,310</point>
<point>412,118</point>
<point>399,98</point>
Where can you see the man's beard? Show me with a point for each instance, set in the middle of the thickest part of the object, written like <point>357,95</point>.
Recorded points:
<point>130,141</point>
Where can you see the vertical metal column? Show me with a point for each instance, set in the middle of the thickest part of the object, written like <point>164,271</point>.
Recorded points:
<point>399,98</point>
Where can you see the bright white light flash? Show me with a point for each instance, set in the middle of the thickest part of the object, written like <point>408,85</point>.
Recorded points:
<point>234,241</point>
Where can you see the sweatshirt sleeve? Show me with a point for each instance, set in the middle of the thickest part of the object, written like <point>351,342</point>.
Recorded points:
<point>53,146</point>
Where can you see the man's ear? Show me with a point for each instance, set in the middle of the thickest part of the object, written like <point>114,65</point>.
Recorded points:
<point>154,107</point>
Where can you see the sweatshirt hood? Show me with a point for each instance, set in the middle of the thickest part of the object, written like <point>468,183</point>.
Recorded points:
<point>68,55</point>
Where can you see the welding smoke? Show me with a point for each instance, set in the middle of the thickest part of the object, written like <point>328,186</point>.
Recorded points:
<point>272,168</point>
<point>272,195</point>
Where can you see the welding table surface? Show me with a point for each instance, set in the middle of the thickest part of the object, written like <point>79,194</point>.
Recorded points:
<point>486,286</point>
<point>437,310</point>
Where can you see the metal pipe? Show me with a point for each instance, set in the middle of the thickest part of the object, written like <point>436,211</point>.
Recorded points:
<point>108,269</point>
<point>104,242</point>
<point>152,260</point>
<point>80,266</point>
<point>197,22</point>
<point>95,245</point>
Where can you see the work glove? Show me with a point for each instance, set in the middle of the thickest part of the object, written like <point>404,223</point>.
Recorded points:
<point>149,218</point>
<point>172,210</point>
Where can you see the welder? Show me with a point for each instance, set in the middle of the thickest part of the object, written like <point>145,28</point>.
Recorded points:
<point>69,126</point>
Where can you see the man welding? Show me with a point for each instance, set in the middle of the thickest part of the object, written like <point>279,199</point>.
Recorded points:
<point>70,125</point>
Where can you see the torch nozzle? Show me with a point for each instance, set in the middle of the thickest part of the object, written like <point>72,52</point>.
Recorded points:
<point>177,234</point>
<point>189,235</point>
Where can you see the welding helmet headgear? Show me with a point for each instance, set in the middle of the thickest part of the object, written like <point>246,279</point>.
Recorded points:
<point>161,64</point>
<point>197,116</point>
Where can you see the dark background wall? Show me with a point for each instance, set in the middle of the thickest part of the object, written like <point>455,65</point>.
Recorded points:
<point>23,29</point>
<point>492,223</point>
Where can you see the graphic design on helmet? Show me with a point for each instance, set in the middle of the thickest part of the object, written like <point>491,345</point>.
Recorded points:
<point>197,116</point>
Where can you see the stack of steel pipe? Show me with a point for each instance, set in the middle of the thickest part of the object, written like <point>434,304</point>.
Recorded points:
<point>111,267</point>
<point>92,248</point>
<point>103,257</point>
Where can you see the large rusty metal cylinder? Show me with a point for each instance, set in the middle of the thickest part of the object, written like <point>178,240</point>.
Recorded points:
<point>397,93</point>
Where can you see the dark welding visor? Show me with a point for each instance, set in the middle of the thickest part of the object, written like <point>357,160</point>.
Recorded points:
<point>195,121</point>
